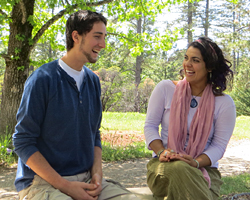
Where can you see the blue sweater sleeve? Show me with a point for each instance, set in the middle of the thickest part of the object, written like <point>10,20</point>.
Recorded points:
<point>98,90</point>
<point>30,115</point>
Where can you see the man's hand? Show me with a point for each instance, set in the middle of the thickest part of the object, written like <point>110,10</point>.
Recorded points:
<point>96,180</point>
<point>79,190</point>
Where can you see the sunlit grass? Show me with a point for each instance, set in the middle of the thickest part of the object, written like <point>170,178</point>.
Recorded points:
<point>242,128</point>
<point>123,121</point>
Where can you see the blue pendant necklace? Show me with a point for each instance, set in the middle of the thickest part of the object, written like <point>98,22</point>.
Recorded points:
<point>194,102</point>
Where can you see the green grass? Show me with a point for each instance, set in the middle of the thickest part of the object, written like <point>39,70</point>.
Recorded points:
<point>242,128</point>
<point>114,121</point>
<point>235,184</point>
<point>123,121</point>
<point>137,150</point>
<point>129,121</point>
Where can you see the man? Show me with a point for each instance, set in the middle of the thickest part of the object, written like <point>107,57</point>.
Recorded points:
<point>57,135</point>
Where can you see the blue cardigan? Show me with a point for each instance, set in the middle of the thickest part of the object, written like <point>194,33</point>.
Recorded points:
<point>59,121</point>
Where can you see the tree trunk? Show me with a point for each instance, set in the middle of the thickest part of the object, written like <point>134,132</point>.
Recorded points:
<point>206,20</point>
<point>17,64</point>
<point>190,22</point>
<point>234,53</point>
<point>138,71</point>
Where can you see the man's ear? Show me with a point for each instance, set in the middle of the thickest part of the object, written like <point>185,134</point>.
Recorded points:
<point>75,36</point>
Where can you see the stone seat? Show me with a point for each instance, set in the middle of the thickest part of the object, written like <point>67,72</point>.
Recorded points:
<point>144,193</point>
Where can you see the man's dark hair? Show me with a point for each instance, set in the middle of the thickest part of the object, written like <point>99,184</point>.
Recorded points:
<point>82,22</point>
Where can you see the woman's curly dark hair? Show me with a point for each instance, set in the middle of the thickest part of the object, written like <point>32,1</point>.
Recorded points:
<point>216,64</point>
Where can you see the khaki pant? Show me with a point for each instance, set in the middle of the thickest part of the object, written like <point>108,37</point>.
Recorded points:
<point>179,181</point>
<point>42,190</point>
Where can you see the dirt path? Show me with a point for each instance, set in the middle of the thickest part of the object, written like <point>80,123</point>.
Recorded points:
<point>132,173</point>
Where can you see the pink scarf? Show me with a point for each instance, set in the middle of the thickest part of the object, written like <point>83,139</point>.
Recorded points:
<point>200,126</point>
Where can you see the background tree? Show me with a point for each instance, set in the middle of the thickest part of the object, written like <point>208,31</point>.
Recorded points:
<point>234,34</point>
<point>138,69</point>
<point>111,83</point>
<point>26,21</point>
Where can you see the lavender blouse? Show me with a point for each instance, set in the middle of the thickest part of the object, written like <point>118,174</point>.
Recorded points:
<point>158,116</point>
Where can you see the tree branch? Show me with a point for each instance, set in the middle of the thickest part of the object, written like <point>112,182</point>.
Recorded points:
<point>60,14</point>
<point>143,7</point>
<point>67,2</point>
<point>24,12</point>
<point>5,57</point>
<point>121,36</point>
<point>248,26</point>
<point>3,13</point>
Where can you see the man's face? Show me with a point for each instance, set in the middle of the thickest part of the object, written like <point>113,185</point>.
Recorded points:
<point>93,42</point>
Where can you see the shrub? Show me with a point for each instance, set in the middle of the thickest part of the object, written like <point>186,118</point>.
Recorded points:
<point>241,98</point>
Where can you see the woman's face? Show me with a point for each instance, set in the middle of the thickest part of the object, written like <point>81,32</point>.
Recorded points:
<point>195,67</point>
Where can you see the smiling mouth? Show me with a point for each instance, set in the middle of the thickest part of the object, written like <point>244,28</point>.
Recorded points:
<point>190,72</point>
<point>96,51</point>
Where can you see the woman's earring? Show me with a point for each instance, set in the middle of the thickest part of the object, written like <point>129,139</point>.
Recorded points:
<point>210,75</point>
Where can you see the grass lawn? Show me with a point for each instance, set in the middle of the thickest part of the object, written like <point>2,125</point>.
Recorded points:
<point>135,122</point>
<point>128,121</point>
<point>242,128</point>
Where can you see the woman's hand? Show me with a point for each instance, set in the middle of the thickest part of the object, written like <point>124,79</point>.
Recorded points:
<point>166,155</point>
<point>186,158</point>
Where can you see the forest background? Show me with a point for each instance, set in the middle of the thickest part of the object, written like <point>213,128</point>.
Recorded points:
<point>146,43</point>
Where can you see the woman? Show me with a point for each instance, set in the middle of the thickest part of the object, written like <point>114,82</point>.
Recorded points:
<point>197,120</point>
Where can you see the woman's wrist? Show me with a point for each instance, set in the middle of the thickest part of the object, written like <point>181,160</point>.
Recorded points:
<point>159,152</point>
<point>198,164</point>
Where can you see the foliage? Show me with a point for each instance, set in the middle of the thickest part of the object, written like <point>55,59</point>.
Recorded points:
<point>120,10</point>
<point>111,81</point>
<point>127,102</point>
<point>118,91</point>
<point>234,36</point>
<point>241,97</point>
<point>164,65</point>
<point>115,54</point>
<point>145,90</point>
<point>7,156</point>
<point>41,22</point>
